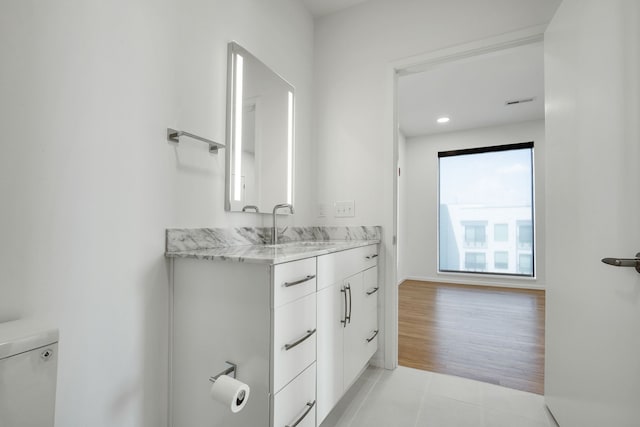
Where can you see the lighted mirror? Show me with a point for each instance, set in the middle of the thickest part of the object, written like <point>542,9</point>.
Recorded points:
<point>260,135</point>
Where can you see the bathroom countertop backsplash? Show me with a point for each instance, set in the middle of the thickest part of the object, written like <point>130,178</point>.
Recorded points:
<point>251,244</point>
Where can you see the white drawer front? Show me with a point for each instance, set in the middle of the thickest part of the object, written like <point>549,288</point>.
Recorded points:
<point>336,266</point>
<point>370,334</point>
<point>297,401</point>
<point>293,280</point>
<point>294,339</point>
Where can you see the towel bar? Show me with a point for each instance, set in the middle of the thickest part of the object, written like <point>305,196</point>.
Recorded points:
<point>174,136</point>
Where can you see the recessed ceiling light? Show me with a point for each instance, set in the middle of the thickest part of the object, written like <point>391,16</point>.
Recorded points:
<point>443,120</point>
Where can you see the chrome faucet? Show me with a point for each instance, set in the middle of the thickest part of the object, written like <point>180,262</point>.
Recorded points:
<point>274,230</point>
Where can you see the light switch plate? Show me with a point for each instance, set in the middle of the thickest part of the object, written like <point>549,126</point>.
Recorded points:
<point>345,209</point>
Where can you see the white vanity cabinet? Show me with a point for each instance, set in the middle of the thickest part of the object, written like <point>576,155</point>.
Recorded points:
<point>258,316</point>
<point>300,332</point>
<point>347,321</point>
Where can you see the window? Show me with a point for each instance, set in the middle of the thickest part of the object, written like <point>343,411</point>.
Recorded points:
<point>475,235</point>
<point>525,234</point>
<point>525,264</point>
<point>486,207</point>
<point>475,261</point>
<point>501,260</point>
<point>501,232</point>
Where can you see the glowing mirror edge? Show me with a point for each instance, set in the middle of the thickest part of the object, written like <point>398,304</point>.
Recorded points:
<point>237,135</point>
<point>290,150</point>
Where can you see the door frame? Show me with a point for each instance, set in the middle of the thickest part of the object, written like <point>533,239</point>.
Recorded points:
<point>414,64</point>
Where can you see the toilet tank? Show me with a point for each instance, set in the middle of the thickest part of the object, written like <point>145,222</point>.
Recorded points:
<point>28,372</point>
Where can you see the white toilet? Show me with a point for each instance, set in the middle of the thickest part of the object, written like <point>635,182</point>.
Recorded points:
<point>28,372</point>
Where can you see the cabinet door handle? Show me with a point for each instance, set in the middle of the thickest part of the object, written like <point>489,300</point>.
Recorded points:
<point>373,291</point>
<point>297,282</point>
<point>375,334</point>
<point>309,407</point>
<point>350,300</point>
<point>344,322</point>
<point>310,332</point>
<point>372,256</point>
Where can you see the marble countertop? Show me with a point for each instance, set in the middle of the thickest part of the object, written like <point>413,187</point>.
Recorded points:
<point>267,254</point>
<point>250,244</point>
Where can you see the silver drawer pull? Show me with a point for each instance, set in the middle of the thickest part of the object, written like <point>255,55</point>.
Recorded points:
<point>375,334</point>
<point>372,256</point>
<point>288,347</point>
<point>297,282</point>
<point>373,291</point>
<point>309,406</point>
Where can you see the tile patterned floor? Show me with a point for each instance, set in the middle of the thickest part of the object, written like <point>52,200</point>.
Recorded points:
<point>407,397</point>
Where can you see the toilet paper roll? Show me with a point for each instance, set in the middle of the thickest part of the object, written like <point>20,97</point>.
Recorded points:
<point>232,393</point>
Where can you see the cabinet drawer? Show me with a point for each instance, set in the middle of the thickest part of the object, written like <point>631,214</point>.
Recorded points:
<point>293,280</point>
<point>297,401</point>
<point>336,266</point>
<point>370,327</point>
<point>294,339</point>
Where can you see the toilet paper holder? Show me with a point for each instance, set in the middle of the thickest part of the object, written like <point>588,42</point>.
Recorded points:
<point>233,369</point>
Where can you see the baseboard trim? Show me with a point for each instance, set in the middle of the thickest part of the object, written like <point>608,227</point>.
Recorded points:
<point>474,282</point>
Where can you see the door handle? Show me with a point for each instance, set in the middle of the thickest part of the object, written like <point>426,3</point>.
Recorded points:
<point>624,262</point>
<point>349,289</point>
<point>344,322</point>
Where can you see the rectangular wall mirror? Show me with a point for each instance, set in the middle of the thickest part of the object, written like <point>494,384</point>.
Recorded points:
<point>260,135</point>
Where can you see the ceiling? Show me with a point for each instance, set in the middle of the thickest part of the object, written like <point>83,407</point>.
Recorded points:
<point>472,92</point>
<point>324,7</point>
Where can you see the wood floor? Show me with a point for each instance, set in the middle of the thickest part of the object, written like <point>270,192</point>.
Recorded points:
<point>495,335</point>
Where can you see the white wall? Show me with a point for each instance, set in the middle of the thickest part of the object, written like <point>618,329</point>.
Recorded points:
<point>280,34</point>
<point>353,94</point>
<point>89,183</point>
<point>421,202</point>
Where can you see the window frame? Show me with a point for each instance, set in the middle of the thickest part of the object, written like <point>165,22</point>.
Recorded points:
<point>482,150</point>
